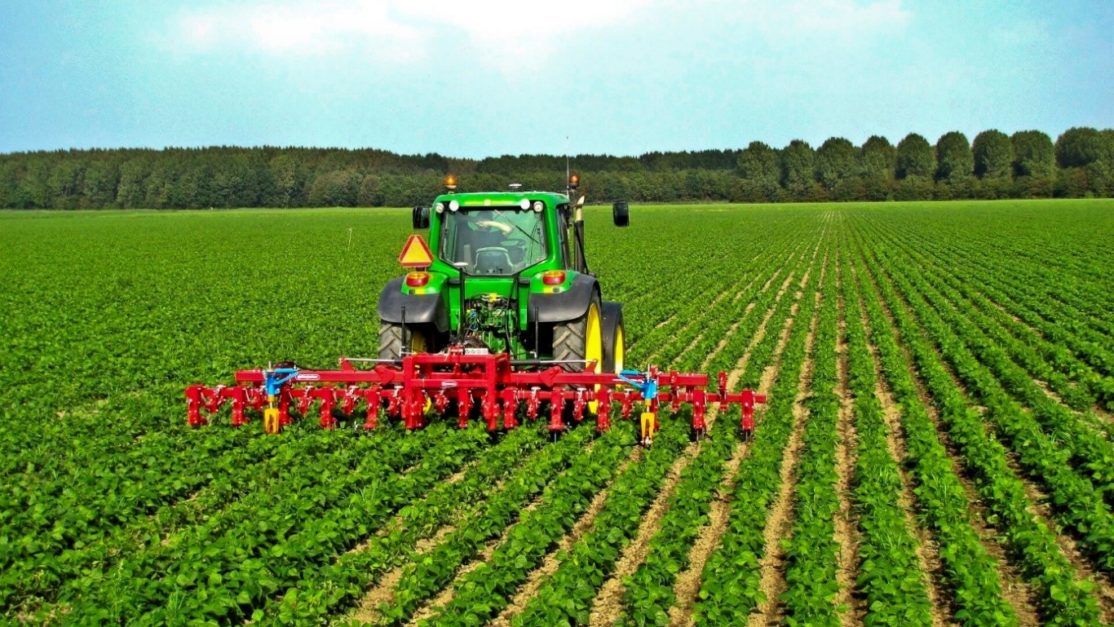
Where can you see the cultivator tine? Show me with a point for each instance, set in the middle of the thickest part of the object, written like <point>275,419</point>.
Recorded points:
<point>556,408</point>
<point>603,410</point>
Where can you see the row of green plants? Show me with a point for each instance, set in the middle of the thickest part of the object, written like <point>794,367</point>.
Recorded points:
<point>519,462</point>
<point>486,590</point>
<point>1000,352</point>
<point>1058,256</point>
<point>1075,494</point>
<point>432,571</point>
<point>811,551</point>
<point>1012,283</point>
<point>62,562</point>
<point>971,574</point>
<point>1061,598</point>
<point>650,591</point>
<point>1076,382</point>
<point>680,313</point>
<point>730,579</point>
<point>566,595</point>
<point>221,570</point>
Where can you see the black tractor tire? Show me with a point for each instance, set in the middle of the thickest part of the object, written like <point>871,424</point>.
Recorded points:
<point>614,336</point>
<point>391,336</point>
<point>571,339</point>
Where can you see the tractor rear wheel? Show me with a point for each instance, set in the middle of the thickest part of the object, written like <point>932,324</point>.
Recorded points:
<point>613,337</point>
<point>391,340</point>
<point>581,339</point>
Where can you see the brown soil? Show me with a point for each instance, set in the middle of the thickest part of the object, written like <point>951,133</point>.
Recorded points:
<point>846,522</point>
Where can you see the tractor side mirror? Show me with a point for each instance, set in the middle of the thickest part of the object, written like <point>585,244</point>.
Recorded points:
<point>420,217</point>
<point>620,213</point>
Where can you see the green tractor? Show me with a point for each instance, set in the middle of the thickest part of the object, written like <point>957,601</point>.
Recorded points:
<point>505,272</point>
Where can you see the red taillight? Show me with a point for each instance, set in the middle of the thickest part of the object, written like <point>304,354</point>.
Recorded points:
<point>417,279</point>
<point>553,277</point>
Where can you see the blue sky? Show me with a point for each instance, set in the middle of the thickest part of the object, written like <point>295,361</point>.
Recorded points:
<point>472,79</point>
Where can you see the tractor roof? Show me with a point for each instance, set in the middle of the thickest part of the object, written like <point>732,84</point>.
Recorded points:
<point>503,199</point>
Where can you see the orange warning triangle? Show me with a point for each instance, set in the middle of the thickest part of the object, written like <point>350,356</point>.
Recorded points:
<point>415,253</point>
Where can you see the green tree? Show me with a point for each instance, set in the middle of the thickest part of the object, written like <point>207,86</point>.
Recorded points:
<point>1080,146</point>
<point>953,157</point>
<point>798,169</point>
<point>1033,154</point>
<point>877,157</point>
<point>760,169</point>
<point>835,161</point>
<point>914,157</point>
<point>334,188</point>
<point>993,153</point>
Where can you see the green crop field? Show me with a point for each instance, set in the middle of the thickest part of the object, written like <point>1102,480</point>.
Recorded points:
<point>937,445</point>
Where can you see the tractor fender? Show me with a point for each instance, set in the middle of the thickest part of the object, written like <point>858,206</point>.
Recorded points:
<point>420,308</point>
<point>567,305</point>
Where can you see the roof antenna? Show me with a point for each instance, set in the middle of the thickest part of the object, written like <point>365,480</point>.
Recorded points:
<point>568,190</point>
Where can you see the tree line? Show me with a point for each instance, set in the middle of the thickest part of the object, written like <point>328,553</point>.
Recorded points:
<point>1027,164</point>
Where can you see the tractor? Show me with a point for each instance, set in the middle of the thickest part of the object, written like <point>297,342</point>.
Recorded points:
<point>500,319</point>
<point>508,274</point>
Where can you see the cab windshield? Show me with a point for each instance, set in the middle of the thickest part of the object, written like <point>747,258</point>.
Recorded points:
<point>493,241</point>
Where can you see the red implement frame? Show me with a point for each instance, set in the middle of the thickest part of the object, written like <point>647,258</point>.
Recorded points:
<point>491,382</point>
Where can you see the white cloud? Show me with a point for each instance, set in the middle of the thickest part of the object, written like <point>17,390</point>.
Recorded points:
<point>504,34</point>
<point>842,20</point>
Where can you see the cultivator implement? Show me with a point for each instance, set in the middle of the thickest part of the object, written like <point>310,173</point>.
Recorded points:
<point>464,383</point>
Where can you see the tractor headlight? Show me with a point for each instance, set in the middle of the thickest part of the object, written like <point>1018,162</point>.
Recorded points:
<point>439,207</point>
<point>524,204</point>
<point>453,205</point>
<point>538,206</point>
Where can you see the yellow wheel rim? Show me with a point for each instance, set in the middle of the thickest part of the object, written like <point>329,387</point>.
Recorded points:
<point>619,349</point>
<point>593,338</point>
<point>593,347</point>
<point>417,342</point>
